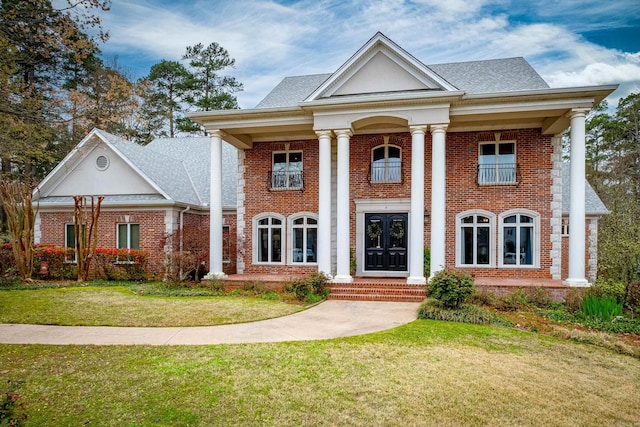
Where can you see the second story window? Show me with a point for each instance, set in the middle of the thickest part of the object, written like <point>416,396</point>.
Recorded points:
<point>497,163</point>
<point>286,172</point>
<point>386,164</point>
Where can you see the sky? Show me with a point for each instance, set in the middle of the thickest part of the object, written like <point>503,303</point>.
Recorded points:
<point>569,42</point>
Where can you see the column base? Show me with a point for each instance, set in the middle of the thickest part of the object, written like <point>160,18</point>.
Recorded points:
<point>416,280</point>
<point>577,283</point>
<point>215,275</point>
<point>342,279</point>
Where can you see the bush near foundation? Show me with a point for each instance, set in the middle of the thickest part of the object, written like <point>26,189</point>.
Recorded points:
<point>451,287</point>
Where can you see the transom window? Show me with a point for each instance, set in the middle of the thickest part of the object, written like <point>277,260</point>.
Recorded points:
<point>128,236</point>
<point>304,239</point>
<point>386,164</point>
<point>497,163</point>
<point>269,239</point>
<point>286,172</point>
<point>476,244</point>
<point>519,239</point>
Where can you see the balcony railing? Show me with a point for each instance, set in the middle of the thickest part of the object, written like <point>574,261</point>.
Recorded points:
<point>498,174</point>
<point>386,173</point>
<point>286,180</point>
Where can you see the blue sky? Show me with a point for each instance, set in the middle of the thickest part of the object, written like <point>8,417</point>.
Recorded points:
<point>569,42</point>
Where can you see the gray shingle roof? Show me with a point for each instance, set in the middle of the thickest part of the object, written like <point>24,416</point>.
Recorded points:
<point>487,76</point>
<point>593,204</point>
<point>180,167</point>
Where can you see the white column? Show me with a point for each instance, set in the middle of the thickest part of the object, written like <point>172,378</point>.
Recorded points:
<point>438,190</point>
<point>215,209</point>
<point>343,275</point>
<point>324,203</point>
<point>577,218</point>
<point>416,216</point>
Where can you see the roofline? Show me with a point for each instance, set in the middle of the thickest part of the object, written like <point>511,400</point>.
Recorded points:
<point>139,204</point>
<point>598,92</point>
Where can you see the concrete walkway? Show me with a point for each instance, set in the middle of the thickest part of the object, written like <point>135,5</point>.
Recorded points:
<point>330,319</point>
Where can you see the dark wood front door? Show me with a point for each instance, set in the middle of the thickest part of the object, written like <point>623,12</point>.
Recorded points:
<point>385,238</point>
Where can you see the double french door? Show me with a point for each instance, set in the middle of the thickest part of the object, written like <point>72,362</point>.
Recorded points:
<point>386,239</point>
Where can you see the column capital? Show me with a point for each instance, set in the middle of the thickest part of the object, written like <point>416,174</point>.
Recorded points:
<point>343,132</point>
<point>578,112</point>
<point>324,133</point>
<point>440,127</point>
<point>215,133</point>
<point>418,129</point>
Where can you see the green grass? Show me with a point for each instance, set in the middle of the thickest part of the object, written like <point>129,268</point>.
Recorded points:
<point>425,373</point>
<point>120,306</point>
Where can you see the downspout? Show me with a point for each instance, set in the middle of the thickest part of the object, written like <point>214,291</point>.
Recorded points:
<point>181,229</point>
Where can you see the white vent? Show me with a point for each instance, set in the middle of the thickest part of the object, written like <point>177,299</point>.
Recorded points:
<point>102,162</point>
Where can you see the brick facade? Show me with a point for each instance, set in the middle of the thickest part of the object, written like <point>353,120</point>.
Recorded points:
<point>533,191</point>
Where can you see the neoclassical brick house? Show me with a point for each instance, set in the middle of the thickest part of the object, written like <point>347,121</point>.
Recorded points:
<point>387,155</point>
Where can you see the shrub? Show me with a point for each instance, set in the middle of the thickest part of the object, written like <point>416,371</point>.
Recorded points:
<point>427,262</point>
<point>608,288</point>
<point>633,295</point>
<point>450,287</point>
<point>311,289</point>
<point>466,313</point>
<point>573,299</point>
<point>605,308</point>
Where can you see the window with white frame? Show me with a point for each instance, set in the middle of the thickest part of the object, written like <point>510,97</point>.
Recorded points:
<point>304,238</point>
<point>519,236</point>
<point>476,245</point>
<point>268,239</point>
<point>497,163</point>
<point>386,164</point>
<point>128,236</point>
<point>286,171</point>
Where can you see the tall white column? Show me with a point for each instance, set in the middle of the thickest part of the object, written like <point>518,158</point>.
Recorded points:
<point>343,275</point>
<point>324,203</point>
<point>577,218</point>
<point>416,216</point>
<point>215,209</point>
<point>438,190</point>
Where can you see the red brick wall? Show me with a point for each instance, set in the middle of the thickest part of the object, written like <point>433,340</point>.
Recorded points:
<point>259,198</point>
<point>533,151</point>
<point>152,232</point>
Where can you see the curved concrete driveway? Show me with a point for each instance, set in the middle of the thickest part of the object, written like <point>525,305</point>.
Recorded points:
<point>331,319</point>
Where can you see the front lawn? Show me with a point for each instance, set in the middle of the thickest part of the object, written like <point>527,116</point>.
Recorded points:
<point>121,306</point>
<point>425,373</point>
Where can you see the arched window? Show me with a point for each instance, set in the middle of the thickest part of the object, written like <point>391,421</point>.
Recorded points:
<point>386,164</point>
<point>476,241</point>
<point>519,238</point>
<point>268,242</point>
<point>303,238</point>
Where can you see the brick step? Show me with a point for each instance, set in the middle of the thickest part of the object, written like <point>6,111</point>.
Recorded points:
<point>377,292</point>
<point>377,297</point>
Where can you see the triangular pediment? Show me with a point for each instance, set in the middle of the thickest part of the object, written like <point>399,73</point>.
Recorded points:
<point>380,67</point>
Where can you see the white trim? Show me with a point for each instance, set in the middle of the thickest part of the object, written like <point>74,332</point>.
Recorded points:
<point>255,238</point>
<point>536,237</point>
<point>496,156</point>
<point>287,153</point>
<point>492,237</point>
<point>386,146</point>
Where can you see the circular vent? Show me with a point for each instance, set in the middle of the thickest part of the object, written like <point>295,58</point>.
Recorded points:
<point>102,162</point>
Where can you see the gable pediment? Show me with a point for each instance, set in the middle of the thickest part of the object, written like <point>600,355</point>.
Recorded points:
<point>379,67</point>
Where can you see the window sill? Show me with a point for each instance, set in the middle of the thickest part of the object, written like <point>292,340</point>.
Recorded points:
<point>497,184</point>
<point>285,188</point>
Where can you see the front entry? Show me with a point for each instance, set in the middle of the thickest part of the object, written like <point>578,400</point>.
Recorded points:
<point>385,237</point>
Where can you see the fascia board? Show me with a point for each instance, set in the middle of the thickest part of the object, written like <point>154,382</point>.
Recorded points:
<point>596,92</point>
<point>390,98</point>
<point>519,107</point>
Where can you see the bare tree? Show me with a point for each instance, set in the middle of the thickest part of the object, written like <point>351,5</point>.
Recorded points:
<point>16,198</point>
<point>85,223</point>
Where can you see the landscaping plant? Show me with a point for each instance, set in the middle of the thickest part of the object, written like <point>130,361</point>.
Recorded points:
<point>605,308</point>
<point>451,287</point>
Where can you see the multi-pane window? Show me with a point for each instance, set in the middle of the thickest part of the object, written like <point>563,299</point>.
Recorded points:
<point>129,236</point>
<point>269,240</point>
<point>287,170</point>
<point>497,163</point>
<point>518,234</point>
<point>386,164</point>
<point>475,239</point>
<point>304,239</point>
